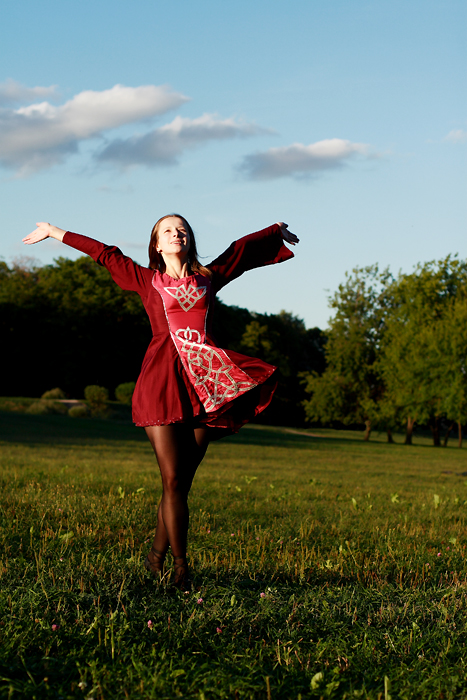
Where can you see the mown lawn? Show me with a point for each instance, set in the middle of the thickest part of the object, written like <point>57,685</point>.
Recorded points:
<point>324,567</point>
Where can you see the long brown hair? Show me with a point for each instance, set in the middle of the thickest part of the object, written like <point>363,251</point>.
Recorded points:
<point>156,261</point>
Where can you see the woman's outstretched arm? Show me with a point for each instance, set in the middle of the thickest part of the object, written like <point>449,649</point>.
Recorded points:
<point>44,231</point>
<point>125,272</point>
<point>262,248</point>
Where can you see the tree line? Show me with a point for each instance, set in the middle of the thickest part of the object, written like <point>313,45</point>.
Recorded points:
<point>396,352</point>
<point>69,325</point>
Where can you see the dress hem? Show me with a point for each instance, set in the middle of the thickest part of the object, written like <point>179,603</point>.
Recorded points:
<point>227,420</point>
<point>260,381</point>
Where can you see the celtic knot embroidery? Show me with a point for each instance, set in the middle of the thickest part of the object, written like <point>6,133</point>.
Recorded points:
<point>189,334</point>
<point>210,371</point>
<point>186,296</point>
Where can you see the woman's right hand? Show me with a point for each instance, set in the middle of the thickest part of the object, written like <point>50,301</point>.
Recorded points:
<point>44,231</point>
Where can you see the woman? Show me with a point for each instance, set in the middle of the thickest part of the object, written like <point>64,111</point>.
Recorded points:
<point>189,391</point>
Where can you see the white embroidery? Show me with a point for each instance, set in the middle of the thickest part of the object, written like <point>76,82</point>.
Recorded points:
<point>214,377</point>
<point>210,371</point>
<point>188,334</point>
<point>186,296</point>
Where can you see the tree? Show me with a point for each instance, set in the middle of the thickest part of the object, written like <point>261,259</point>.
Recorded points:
<point>124,392</point>
<point>452,349</point>
<point>350,389</point>
<point>416,345</point>
<point>283,340</point>
<point>71,310</point>
<point>260,341</point>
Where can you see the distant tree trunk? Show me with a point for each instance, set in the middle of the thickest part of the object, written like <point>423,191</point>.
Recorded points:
<point>446,437</point>
<point>459,425</point>
<point>409,430</point>
<point>434,427</point>
<point>366,437</point>
<point>390,438</point>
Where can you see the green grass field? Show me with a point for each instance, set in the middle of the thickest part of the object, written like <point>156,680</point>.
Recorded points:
<point>324,567</point>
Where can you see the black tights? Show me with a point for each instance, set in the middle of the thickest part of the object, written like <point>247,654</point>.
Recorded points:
<point>179,450</point>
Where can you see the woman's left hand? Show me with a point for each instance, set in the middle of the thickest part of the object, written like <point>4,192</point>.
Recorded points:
<point>286,234</point>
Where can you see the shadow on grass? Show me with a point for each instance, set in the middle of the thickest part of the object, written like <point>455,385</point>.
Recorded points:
<point>298,439</point>
<point>53,430</point>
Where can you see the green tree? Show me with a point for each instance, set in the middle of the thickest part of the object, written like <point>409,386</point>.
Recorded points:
<point>350,389</point>
<point>260,341</point>
<point>124,392</point>
<point>415,350</point>
<point>452,349</point>
<point>73,311</point>
<point>97,397</point>
<point>283,340</point>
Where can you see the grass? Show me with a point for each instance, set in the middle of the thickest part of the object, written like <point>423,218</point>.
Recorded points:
<point>327,567</point>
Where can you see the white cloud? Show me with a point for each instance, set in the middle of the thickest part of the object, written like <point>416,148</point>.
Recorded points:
<point>42,134</point>
<point>299,160</point>
<point>456,136</point>
<point>163,146</point>
<point>12,93</point>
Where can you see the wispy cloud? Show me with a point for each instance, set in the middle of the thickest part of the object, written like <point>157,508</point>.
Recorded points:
<point>164,145</point>
<point>12,93</point>
<point>41,134</point>
<point>108,189</point>
<point>456,136</point>
<point>299,160</point>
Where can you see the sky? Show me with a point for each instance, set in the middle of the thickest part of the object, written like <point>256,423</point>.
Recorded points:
<point>345,119</point>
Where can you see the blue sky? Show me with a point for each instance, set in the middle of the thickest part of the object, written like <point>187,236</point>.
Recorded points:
<point>346,119</point>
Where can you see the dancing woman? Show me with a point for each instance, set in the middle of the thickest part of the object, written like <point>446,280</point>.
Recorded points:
<point>189,391</point>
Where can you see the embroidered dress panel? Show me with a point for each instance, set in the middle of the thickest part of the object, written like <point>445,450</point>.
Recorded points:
<point>186,296</point>
<point>213,375</point>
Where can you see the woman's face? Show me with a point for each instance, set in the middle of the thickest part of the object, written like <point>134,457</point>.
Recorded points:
<point>173,237</point>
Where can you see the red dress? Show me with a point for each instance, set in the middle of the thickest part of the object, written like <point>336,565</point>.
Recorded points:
<point>185,377</point>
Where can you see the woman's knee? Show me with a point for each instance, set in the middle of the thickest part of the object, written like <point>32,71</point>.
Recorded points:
<point>172,483</point>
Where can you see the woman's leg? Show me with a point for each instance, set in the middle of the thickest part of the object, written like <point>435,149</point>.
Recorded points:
<point>179,450</point>
<point>156,556</point>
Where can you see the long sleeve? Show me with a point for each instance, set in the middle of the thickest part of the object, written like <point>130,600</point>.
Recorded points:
<point>125,272</point>
<point>262,248</point>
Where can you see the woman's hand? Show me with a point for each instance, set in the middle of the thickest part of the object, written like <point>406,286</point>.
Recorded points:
<point>44,231</point>
<point>286,234</point>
